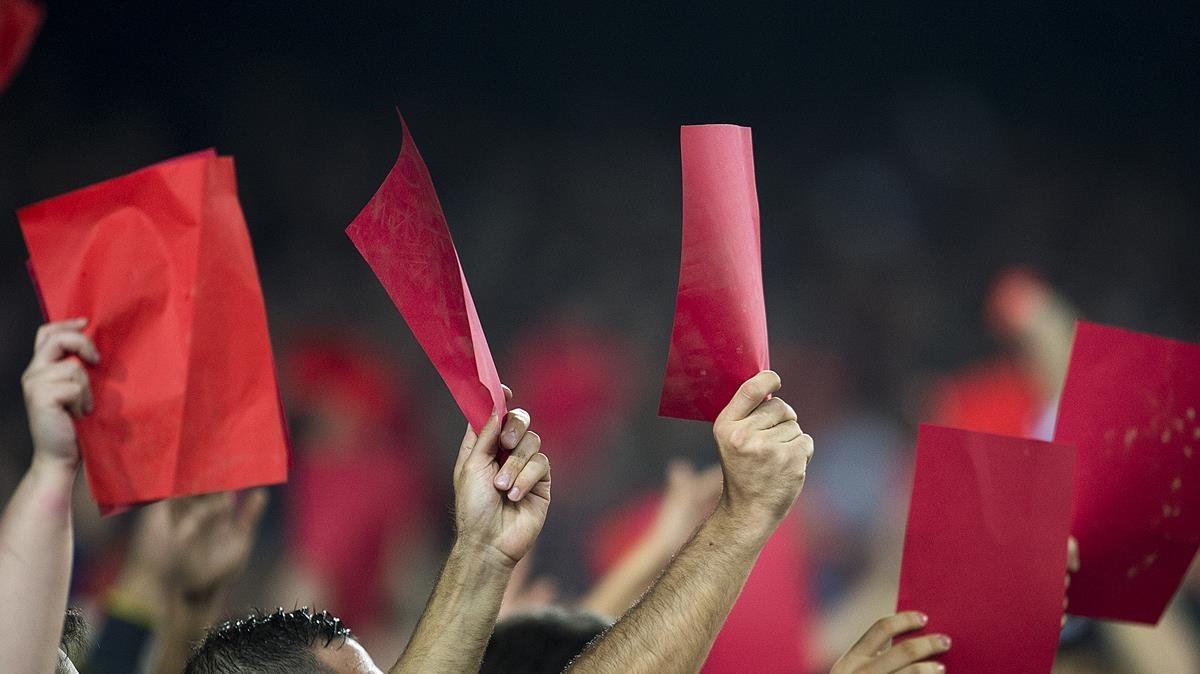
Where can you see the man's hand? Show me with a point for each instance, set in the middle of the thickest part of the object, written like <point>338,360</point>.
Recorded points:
<point>689,497</point>
<point>875,654</point>
<point>210,538</point>
<point>500,510</point>
<point>56,389</point>
<point>764,454</point>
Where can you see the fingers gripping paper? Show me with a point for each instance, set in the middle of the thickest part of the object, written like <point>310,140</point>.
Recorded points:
<point>1130,406</point>
<point>402,235</point>
<point>20,21</point>
<point>985,550</point>
<point>719,338</point>
<point>160,263</point>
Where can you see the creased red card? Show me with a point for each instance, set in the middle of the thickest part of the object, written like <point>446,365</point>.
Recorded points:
<point>20,21</point>
<point>160,263</point>
<point>1130,406</point>
<point>402,234</point>
<point>985,551</point>
<point>719,338</point>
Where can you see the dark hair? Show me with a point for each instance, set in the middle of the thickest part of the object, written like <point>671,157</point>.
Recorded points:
<point>74,638</point>
<point>541,642</point>
<point>271,643</point>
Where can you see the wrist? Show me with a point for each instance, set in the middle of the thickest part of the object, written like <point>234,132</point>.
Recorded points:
<point>744,524</point>
<point>480,558</point>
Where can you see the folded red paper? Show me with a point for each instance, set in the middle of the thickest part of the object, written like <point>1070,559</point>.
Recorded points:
<point>402,235</point>
<point>160,263</point>
<point>20,21</point>
<point>985,551</point>
<point>1130,407</point>
<point>719,338</point>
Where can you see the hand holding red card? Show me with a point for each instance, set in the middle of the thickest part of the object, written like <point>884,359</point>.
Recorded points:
<point>985,551</point>
<point>402,235</point>
<point>1130,406</point>
<point>20,21</point>
<point>719,339</point>
<point>160,263</point>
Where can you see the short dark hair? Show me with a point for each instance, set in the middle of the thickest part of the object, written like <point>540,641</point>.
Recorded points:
<point>540,642</point>
<point>270,643</point>
<point>74,639</point>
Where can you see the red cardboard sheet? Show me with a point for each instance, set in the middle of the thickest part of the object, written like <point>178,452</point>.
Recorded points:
<point>1130,407</point>
<point>402,235</point>
<point>985,552</point>
<point>719,338</point>
<point>20,21</point>
<point>160,263</point>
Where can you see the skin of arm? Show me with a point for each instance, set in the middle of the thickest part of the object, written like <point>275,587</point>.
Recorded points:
<point>763,455</point>
<point>499,512</point>
<point>690,497</point>
<point>35,530</point>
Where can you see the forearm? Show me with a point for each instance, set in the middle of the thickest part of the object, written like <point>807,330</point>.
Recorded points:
<point>185,620</point>
<point>628,579</point>
<point>458,620</point>
<point>35,565</point>
<point>673,627</point>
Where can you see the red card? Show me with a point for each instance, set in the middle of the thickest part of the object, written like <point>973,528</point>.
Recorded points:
<point>985,552</point>
<point>20,21</point>
<point>160,263</point>
<point>719,339</point>
<point>402,235</point>
<point>1130,406</point>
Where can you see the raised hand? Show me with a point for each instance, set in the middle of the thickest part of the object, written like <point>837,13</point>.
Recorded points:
<point>764,454</point>
<point>874,653</point>
<point>689,497</point>
<point>499,509</point>
<point>56,388</point>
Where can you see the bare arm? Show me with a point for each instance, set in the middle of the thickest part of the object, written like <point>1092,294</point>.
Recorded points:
<point>764,455</point>
<point>35,530</point>
<point>209,539</point>
<point>689,498</point>
<point>499,511</point>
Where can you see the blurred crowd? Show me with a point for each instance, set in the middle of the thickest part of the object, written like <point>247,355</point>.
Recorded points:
<point>923,260</point>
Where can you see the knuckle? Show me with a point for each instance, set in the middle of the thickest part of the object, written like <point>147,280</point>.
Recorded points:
<point>739,436</point>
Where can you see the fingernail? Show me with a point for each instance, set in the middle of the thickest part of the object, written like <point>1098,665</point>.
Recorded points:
<point>922,618</point>
<point>944,641</point>
<point>514,494</point>
<point>79,321</point>
<point>941,667</point>
<point>503,480</point>
<point>510,437</point>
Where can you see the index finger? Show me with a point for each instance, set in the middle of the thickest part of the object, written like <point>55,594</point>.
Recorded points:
<point>750,395</point>
<point>62,343</point>
<point>885,629</point>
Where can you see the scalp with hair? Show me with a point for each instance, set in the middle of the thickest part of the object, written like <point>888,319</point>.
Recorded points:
<point>282,642</point>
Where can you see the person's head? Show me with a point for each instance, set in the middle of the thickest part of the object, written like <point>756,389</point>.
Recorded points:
<point>283,642</point>
<point>543,641</point>
<point>73,642</point>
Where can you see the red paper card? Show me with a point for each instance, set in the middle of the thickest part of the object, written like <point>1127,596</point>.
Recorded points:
<point>160,263</point>
<point>402,235</point>
<point>719,339</point>
<point>985,551</point>
<point>1130,408</point>
<point>20,21</point>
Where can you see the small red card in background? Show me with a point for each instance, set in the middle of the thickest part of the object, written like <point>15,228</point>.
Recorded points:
<point>985,551</point>
<point>402,235</point>
<point>20,21</point>
<point>1130,406</point>
<point>719,339</point>
<point>160,263</point>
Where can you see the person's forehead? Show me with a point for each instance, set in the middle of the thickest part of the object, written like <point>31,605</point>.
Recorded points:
<point>350,658</point>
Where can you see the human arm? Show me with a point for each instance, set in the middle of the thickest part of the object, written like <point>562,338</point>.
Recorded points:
<point>763,455</point>
<point>35,529</point>
<point>689,497</point>
<point>499,512</point>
